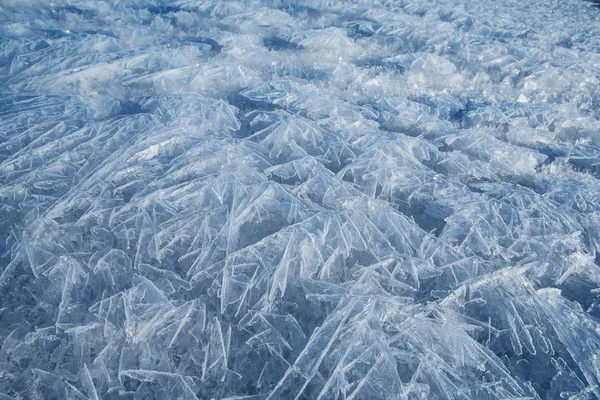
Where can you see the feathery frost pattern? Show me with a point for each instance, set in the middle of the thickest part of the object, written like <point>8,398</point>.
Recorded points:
<point>285,199</point>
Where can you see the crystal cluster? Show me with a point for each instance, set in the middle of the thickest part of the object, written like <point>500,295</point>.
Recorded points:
<point>285,199</point>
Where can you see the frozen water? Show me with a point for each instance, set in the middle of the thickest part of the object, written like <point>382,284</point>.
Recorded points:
<point>282,199</point>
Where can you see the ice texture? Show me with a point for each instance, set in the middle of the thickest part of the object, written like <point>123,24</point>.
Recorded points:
<point>285,199</point>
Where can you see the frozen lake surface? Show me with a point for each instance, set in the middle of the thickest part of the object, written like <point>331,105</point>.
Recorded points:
<point>286,199</point>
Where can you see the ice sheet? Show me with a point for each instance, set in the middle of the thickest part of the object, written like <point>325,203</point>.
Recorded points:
<point>283,199</point>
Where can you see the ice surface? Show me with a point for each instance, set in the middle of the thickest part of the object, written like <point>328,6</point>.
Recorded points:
<point>287,199</point>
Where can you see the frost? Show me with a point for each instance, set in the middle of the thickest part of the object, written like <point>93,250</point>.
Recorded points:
<point>252,200</point>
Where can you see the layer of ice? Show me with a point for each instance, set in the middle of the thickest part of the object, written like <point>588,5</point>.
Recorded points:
<point>281,199</point>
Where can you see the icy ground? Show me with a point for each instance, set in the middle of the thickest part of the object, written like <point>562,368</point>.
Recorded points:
<point>284,199</point>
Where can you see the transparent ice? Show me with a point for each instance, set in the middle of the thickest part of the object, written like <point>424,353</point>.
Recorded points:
<point>285,199</point>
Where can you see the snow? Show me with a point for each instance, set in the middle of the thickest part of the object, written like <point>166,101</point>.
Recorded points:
<point>283,199</point>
